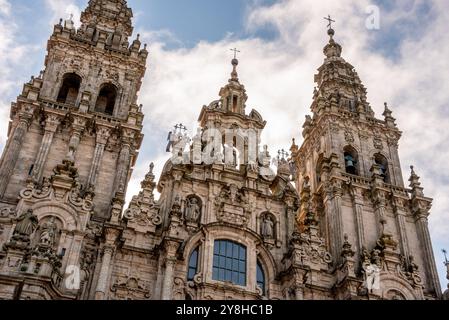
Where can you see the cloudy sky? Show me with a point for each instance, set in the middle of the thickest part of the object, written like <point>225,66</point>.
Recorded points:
<point>404,62</point>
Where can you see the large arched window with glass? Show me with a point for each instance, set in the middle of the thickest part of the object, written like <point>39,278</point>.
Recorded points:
<point>261,278</point>
<point>193,264</point>
<point>229,262</point>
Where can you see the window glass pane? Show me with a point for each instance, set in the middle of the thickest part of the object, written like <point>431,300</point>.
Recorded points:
<point>193,265</point>
<point>242,280</point>
<point>242,266</point>
<point>242,253</point>
<point>260,277</point>
<point>217,247</point>
<point>229,262</point>
<point>216,261</point>
<point>222,248</point>
<point>235,252</point>
<point>229,249</point>
<point>222,263</point>
<point>235,277</point>
<point>193,259</point>
<point>235,265</point>
<point>228,275</point>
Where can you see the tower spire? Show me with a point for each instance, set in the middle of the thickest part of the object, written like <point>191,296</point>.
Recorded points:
<point>235,63</point>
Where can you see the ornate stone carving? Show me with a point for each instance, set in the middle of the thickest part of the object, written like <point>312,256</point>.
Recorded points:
<point>48,233</point>
<point>131,288</point>
<point>232,206</point>
<point>409,270</point>
<point>378,143</point>
<point>6,212</point>
<point>26,225</point>
<point>308,248</point>
<point>349,137</point>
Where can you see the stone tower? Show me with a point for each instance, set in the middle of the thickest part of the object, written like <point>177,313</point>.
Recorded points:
<point>73,139</point>
<point>349,161</point>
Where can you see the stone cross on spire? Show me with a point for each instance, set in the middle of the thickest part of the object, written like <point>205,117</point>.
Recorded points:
<point>330,31</point>
<point>235,52</point>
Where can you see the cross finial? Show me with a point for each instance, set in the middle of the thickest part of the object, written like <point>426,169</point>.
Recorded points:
<point>329,19</point>
<point>235,52</point>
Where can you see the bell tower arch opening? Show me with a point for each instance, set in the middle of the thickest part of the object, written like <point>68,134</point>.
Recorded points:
<point>68,93</point>
<point>351,160</point>
<point>106,99</point>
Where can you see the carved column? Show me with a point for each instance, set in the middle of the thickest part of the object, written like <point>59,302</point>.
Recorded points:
<point>100,292</point>
<point>170,261</point>
<point>78,127</point>
<point>51,125</point>
<point>13,150</point>
<point>357,203</point>
<point>299,291</point>
<point>167,283</point>
<point>102,139</point>
<point>332,205</point>
<point>429,258</point>
<point>399,213</point>
<point>123,163</point>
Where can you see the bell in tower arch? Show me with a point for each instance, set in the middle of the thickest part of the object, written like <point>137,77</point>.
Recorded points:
<point>350,157</point>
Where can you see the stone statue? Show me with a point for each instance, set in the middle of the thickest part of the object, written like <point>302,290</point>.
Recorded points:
<point>48,234</point>
<point>193,210</point>
<point>372,273</point>
<point>267,227</point>
<point>26,224</point>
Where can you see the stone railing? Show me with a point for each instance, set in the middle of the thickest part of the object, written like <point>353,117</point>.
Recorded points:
<point>57,105</point>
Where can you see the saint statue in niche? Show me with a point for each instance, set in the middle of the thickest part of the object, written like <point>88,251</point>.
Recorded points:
<point>48,234</point>
<point>193,210</point>
<point>267,228</point>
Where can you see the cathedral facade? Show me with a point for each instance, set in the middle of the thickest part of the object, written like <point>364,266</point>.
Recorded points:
<point>333,221</point>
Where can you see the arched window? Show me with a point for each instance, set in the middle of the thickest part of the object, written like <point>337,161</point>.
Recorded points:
<point>383,163</point>
<point>106,99</point>
<point>261,278</point>
<point>319,165</point>
<point>69,89</point>
<point>351,160</point>
<point>229,262</point>
<point>193,265</point>
<point>234,103</point>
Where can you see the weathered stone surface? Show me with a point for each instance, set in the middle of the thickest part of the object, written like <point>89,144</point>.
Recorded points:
<point>64,232</point>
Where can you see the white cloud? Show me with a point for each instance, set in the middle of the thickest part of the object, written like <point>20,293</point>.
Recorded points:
<point>5,7</point>
<point>11,54</point>
<point>63,10</point>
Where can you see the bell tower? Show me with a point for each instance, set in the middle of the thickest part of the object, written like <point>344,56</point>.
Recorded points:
<point>74,136</point>
<point>82,109</point>
<point>350,163</point>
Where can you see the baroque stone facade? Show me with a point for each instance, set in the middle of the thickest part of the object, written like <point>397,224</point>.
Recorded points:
<point>226,226</point>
